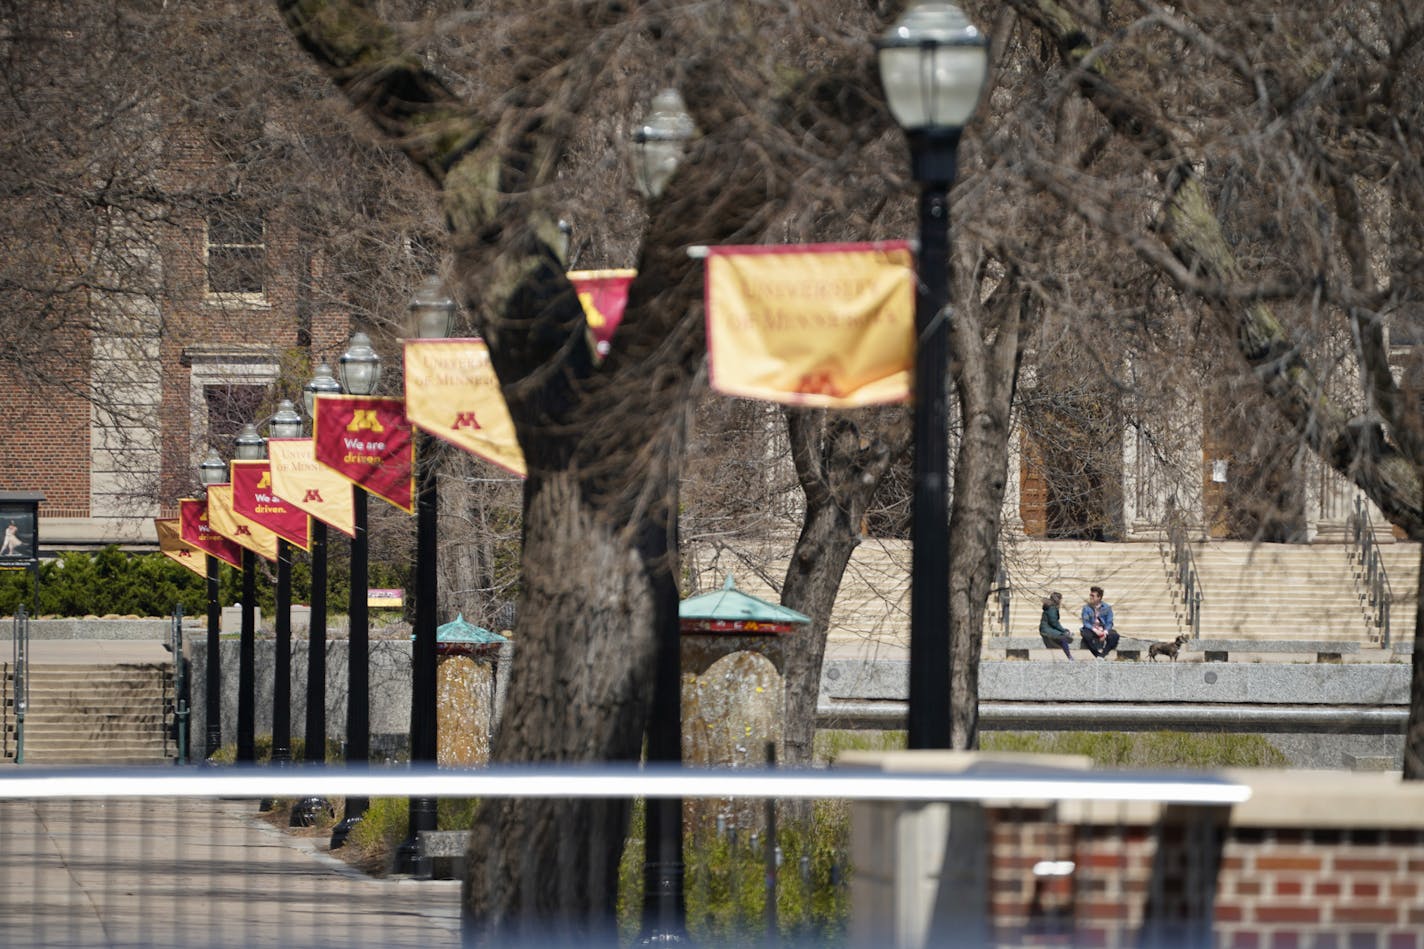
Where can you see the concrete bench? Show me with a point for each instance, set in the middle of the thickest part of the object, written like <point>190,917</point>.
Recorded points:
<point>1213,650</point>
<point>1325,650</point>
<point>441,852</point>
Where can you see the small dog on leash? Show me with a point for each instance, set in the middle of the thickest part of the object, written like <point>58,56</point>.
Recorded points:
<point>1169,650</point>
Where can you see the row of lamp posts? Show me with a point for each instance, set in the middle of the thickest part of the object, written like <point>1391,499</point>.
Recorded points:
<point>932,67</point>
<point>360,367</point>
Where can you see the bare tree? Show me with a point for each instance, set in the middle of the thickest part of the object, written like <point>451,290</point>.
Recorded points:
<point>1281,148</point>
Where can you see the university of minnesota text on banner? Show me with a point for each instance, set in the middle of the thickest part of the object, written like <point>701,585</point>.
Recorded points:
<point>171,545</point>
<point>300,480</point>
<point>604,296</point>
<point>194,529</point>
<point>366,439</point>
<point>254,499</point>
<point>452,392</point>
<point>826,325</point>
<point>236,528</point>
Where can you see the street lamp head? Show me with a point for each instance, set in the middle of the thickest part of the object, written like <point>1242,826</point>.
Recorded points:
<point>659,141</point>
<point>360,366</point>
<point>322,383</point>
<point>212,469</point>
<point>287,422</point>
<point>248,445</point>
<point>933,64</point>
<point>432,312</point>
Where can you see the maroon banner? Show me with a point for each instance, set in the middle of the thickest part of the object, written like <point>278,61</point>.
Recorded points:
<point>195,531</point>
<point>604,295</point>
<point>252,497</point>
<point>367,440</point>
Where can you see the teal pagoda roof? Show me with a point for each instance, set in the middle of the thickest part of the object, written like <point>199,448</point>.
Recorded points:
<point>460,632</point>
<point>729,610</point>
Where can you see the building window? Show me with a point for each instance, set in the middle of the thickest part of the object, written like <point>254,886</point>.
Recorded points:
<point>230,406</point>
<point>237,255</point>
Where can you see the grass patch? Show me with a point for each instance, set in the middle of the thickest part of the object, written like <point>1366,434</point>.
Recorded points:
<point>1203,750</point>
<point>1164,749</point>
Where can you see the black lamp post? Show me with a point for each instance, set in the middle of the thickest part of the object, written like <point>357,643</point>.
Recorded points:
<point>658,145</point>
<point>213,470</point>
<point>304,814</point>
<point>932,65</point>
<point>360,373</point>
<point>432,312</point>
<point>286,423</point>
<point>248,446</point>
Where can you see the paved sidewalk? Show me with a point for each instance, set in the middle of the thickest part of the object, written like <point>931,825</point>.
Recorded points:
<point>92,651</point>
<point>161,873</point>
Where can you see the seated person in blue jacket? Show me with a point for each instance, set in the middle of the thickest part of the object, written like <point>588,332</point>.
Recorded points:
<point>1055,634</point>
<point>1097,633</point>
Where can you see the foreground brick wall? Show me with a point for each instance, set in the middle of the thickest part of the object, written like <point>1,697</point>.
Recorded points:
<point>1276,888</point>
<point>1313,860</point>
<point>1321,887</point>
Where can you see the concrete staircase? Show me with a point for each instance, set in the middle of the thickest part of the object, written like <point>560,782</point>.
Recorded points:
<point>1251,591</point>
<point>93,714</point>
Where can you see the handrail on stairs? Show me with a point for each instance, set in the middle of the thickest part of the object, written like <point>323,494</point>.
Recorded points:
<point>20,678</point>
<point>1369,571</point>
<point>1003,588</point>
<point>1184,565</point>
<point>180,687</point>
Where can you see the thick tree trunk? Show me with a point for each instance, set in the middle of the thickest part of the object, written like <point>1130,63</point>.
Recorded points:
<point>974,517</point>
<point>587,596</point>
<point>813,579</point>
<point>986,345</point>
<point>840,459</point>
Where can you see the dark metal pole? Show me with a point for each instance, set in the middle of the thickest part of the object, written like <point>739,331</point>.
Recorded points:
<point>933,157</point>
<point>664,910</point>
<point>422,681</point>
<point>306,811</point>
<point>213,678</point>
<point>316,649</point>
<point>247,664</point>
<point>358,717</point>
<point>282,663</point>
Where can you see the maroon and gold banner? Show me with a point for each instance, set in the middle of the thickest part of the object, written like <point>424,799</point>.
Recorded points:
<point>604,294</point>
<point>254,498</point>
<point>825,325</point>
<point>367,440</point>
<point>452,392</point>
<point>237,528</point>
<point>170,544</point>
<point>300,480</point>
<point>194,530</point>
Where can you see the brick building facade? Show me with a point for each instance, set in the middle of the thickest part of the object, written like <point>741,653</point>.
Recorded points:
<point>226,311</point>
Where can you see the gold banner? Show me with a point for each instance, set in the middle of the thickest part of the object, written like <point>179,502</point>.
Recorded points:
<point>306,484</point>
<point>170,542</point>
<point>824,325</point>
<point>236,528</point>
<point>452,392</point>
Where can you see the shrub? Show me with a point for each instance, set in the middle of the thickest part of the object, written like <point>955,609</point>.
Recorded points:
<point>114,582</point>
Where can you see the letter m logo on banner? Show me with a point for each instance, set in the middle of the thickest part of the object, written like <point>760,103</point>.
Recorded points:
<point>364,420</point>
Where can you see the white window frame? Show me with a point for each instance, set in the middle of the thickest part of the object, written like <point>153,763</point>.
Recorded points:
<point>244,298</point>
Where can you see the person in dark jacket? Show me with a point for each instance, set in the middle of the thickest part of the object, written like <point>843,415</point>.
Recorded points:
<point>1054,633</point>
